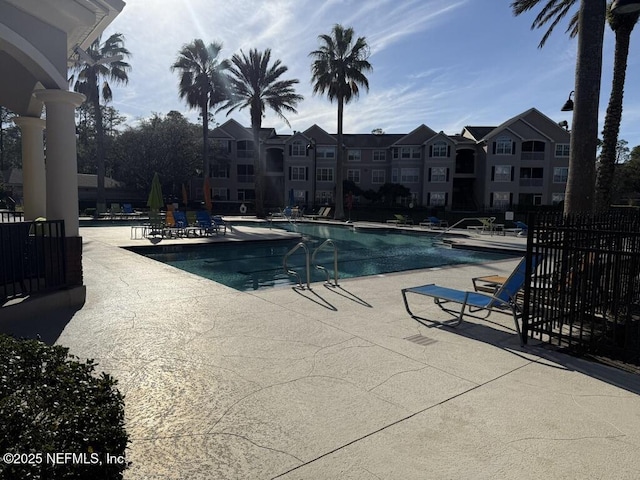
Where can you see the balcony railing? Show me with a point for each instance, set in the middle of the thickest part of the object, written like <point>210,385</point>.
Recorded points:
<point>531,182</point>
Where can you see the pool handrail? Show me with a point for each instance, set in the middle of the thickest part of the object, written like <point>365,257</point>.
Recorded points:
<point>327,242</point>
<point>293,272</point>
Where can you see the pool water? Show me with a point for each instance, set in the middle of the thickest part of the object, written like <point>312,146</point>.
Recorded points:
<point>254,265</point>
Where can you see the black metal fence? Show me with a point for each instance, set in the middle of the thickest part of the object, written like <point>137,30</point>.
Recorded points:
<point>585,294</point>
<point>32,258</point>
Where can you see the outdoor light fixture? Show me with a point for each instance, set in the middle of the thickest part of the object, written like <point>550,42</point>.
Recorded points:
<point>625,6</point>
<point>568,105</point>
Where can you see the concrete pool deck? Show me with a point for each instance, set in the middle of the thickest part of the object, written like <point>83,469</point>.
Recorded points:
<point>337,382</point>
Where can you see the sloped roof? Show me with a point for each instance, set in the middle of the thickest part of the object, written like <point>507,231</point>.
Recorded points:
<point>479,133</point>
<point>417,136</point>
<point>367,140</point>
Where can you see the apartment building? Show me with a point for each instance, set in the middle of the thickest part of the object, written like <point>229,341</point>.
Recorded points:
<point>522,161</point>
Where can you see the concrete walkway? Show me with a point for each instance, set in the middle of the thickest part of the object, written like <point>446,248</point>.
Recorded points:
<point>338,383</point>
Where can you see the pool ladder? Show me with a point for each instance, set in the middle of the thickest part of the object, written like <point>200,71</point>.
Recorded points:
<point>312,259</point>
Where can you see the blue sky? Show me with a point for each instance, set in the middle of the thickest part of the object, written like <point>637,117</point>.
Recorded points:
<point>442,63</point>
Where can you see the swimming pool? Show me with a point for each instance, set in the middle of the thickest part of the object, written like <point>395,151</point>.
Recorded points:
<point>361,252</point>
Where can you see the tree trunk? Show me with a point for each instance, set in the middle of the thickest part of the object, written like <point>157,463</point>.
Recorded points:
<point>101,197</point>
<point>339,213</point>
<point>613,116</point>
<point>584,133</point>
<point>205,142</point>
<point>258,171</point>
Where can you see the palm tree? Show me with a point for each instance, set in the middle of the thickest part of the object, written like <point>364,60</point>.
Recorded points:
<point>106,63</point>
<point>203,83</point>
<point>622,26</point>
<point>337,70</point>
<point>255,84</point>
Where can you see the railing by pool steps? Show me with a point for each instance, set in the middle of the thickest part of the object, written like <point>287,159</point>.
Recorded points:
<point>312,259</point>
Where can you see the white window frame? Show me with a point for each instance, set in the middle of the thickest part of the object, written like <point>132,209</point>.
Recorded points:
<point>379,155</point>
<point>560,174</point>
<point>298,149</point>
<point>298,174</point>
<point>326,152</point>
<point>221,193</point>
<point>324,174</point>
<point>562,150</point>
<point>409,175</point>
<point>439,149</point>
<point>504,145</point>
<point>354,155</point>
<point>324,196</point>
<point>353,174</point>
<point>501,199</point>
<point>437,199</point>
<point>438,174</point>
<point>502,173</point>
<point>378,176</point>
<point>557,197</point>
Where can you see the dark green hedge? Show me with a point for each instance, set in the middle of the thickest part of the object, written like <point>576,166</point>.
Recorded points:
<point>58,419</point>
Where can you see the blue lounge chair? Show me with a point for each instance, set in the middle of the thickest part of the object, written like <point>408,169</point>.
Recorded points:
<point>219,223</point>
<point>524,229</point>
<point>504,299</point>
<point>434,222</point>
<point>207,227</point>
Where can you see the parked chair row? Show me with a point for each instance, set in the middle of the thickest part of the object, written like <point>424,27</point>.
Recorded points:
<point>180,224</point>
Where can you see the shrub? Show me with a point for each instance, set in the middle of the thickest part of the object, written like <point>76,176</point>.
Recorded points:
<point>57,418</point>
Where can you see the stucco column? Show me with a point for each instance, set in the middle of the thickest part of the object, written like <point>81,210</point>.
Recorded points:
<point>61,160</point>
<point>34,187</point>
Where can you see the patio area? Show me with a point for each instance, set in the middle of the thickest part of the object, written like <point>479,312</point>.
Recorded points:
<point>336,382</point>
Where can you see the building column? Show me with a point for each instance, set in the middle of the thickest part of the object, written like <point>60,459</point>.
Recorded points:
<point>62,173</point>
<point>34,186</point>
<point>61,159</point>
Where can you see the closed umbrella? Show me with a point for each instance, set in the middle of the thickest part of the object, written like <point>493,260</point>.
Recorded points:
<point>185,197</point>
<point>207,195</point>
<point>155,201</point>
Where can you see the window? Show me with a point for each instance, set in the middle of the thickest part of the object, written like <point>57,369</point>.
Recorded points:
<point>298,149</point>
<point>378,177</point>
<point>354,155</point>
<point>325,152</point>
<point>246,194</point>
<point>379,155</point>
<point>531,177</point>
<point>298,173</point>
<point>219,193</point>
<point>500,199</point>
<point>406,152</point>
<point>557,198</point>
<point>503,146</point>
<point>440,149</point>
<point>324,196</point>
<point>533,150</point>
<point>324,174</point>
<point>560,174</point>
<point>394,175</point>
<point>437,199</point>
<point>219,171</point>
<point>353,175</point>
<point>222,146</point>
<point>409,175</point>
<point>300,196</point>
<point>502,173</point>
<point>245,173</point>
<point>438,174</point>
<point>245,149</point>
<point>562,150</point>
